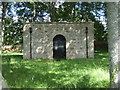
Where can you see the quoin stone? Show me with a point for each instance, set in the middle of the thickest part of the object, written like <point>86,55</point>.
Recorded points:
<point>38,40</point>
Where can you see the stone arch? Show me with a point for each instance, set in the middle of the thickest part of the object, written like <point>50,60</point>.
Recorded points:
<point>59,47</point>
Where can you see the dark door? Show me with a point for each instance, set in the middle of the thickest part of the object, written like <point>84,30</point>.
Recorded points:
<point>59,47</point>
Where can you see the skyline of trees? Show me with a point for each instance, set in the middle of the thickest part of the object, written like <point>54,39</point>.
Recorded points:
<point>19,13</point>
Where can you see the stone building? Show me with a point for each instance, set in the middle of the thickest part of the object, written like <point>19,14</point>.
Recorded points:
<point>58,40</point>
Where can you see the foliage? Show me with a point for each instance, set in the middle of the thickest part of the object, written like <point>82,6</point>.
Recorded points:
<point>48,12</point>
<point>13,29</point>
<point>100,33</point>
<point>13,33</point>
<point>39,73</point>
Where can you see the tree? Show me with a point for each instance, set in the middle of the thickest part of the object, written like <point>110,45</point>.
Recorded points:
<point>0,31</point>
<point>112,15</point>
<point>3,84</point>
<point>37,11</point>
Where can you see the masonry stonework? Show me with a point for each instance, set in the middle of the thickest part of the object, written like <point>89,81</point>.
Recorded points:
<point>38,44</point>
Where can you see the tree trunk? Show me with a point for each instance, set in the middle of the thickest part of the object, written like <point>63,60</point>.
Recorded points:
<point>112,14</point>
<point>3,84</point>
<point>74,12</point>
<point>34,12</point>
<point>52,11</point>
<point>0,32</point>
<point>4,5</point>
<point>119,43</point>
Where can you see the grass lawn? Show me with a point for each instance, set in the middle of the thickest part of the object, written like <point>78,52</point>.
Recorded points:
<point>39,73</point>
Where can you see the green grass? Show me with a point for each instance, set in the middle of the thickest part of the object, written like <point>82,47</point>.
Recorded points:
<point>39,73</point>
<point>12,53</point>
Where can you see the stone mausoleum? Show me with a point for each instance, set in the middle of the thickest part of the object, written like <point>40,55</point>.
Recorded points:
<point>58,40</point>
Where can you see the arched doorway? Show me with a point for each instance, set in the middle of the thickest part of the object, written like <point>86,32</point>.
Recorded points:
<point>59,47</point>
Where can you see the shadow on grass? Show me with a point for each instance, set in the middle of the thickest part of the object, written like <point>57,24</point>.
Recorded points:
<point>74,73</point>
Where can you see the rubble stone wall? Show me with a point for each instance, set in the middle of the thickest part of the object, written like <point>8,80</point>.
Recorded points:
<point>41,44</point>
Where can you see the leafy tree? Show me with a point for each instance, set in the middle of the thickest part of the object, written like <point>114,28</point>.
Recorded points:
<point>37,11</point>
